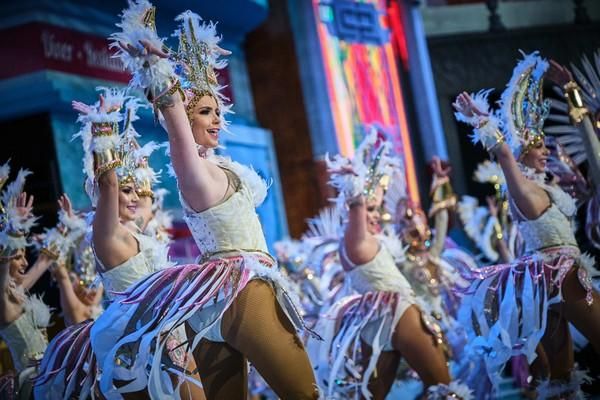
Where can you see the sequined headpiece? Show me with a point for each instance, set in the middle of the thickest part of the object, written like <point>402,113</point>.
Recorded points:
<point>522,107</point>
<point>372,165</point>
<point>190,71</point>
<point>136,157</point>
<point>198,57</point>
<point>14,227</point>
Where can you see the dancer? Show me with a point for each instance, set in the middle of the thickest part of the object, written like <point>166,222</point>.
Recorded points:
<point>368,332</point>
<point>490,227</point>
<point>75,270</point>
<point>23,317</point>
<point>123,255</point>
<point>431,269</point>
<point>233,302</point>
<point>576,134</point>
<point>523,308</point>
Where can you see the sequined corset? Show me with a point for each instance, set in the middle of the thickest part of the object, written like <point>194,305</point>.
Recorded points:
<point>26,338</point>
<point>152,256</point>
<point>228,226</point>
<point>379,274</point>
<point>551,229</point>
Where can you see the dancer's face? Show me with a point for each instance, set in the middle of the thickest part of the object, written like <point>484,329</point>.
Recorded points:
<point>128,202</point>
<point>206,122</point>
<point>536,157</point>
<point>373,212</point>
<point>17,266</point>
<point>414,228</point>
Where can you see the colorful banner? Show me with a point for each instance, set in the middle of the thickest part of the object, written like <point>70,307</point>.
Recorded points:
<point>360,45</point>
<point>40,46</point>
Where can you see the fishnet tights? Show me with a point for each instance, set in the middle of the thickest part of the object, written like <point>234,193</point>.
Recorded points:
<point>412,341</point>
<point>256,329</point>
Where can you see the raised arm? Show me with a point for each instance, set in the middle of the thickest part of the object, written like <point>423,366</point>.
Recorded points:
<point>38,268</point>
<point>580,117</point>
<point>443,198</point>
<point>156,70</point>
<point>74,310</point>
<point>498,239</point>
<point>112,242</point>
<point>106,221</point>
<point>361,246</point>
<point>529,197</point>
<point>201,183</point>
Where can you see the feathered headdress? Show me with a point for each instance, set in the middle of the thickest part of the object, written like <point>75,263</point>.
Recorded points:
<point>522,108</point>
<point>144,176</point>
<point>14,227</point>
<point>116,106</point>
<point>522,111</point>
<point>372,166</point>
<point>198,58</point>
<point>192,68</point>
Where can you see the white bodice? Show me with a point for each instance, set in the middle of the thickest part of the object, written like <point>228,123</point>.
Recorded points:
<point>379,274</point>
<point>153,256</point>
<point>554,227</point>
<point>26,336</point>
<point>233,224</point>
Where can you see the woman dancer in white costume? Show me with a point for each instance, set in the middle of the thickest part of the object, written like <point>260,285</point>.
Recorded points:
<point>524,308</point>
<point>75,272</point>
<point>233,302</point>
<point>123,255</point>
<point>368,332</point>
<point>23,318</point>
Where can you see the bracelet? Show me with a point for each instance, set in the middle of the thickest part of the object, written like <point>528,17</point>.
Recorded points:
<point>104,129</point>
<point>577,108</point>
<point>104,162</point>
<point>165,99</point>
<point>491,142</point>
<point>442,195</point>
<point>49,253</point>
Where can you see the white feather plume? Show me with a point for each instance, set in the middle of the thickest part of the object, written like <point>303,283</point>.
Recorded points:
<point>489,172</point>
<point>512,134</point>
<point>149,70</point>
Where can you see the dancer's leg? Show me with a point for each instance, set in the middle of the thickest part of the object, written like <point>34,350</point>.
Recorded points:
<point>415,343</point>
<point>385,373</point>
<point>558,347</point>
<point>189,390</point>
<point>256,325</point>
<point>222,369</point>
<point>585,318</point>
<point>540,367</point>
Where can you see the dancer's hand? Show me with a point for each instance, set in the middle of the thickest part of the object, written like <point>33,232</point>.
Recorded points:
<point>558,74</point>
<point>464,104</point>
<point>65,204</point>
<point>143,48</point>
<point>438,168</point>
<point>24,205</point>
<point>81,107</point>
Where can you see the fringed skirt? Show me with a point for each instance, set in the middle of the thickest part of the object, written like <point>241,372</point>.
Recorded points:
<point>132,334</point>
<point>506,306</point>
<point>370,318</point>
<point>68,369</point>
